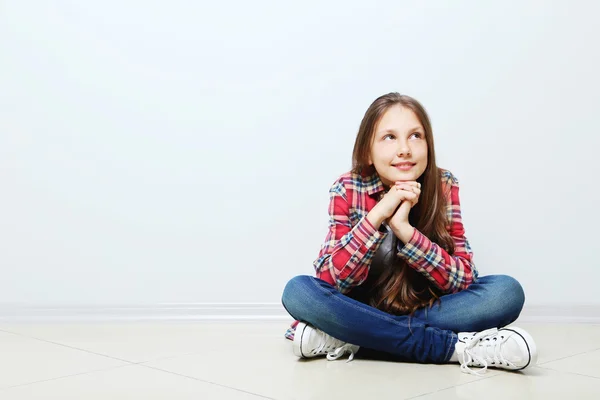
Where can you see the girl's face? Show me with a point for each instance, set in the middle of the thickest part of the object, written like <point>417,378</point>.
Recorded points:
<point>399,138</point>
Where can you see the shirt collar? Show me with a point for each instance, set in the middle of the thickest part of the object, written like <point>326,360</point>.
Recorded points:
<point>373,184</point>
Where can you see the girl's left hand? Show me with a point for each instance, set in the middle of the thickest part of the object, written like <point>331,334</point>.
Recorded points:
<point>410,186</point>
<point>401,215</point>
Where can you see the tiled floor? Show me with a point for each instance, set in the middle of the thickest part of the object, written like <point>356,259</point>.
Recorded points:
<point>252,360</point>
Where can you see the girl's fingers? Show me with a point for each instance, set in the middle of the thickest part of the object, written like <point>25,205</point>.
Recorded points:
<point>408,195</point>
<point>409,188</point>
<point>411,183</point>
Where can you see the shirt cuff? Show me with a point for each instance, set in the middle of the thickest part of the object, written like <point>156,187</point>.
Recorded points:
<point>366,232</point>
<point>416,248</point>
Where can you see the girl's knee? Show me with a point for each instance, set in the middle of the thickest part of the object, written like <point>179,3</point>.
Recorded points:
<point>295,286</point>
<point>511,291</point>
<point>295,294</point>
<point>507,298</point>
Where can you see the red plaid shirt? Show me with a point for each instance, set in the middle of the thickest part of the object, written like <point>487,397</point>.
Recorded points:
<point>352,240</point>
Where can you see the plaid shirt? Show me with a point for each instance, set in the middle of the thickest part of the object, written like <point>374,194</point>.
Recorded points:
<point>352,240</point>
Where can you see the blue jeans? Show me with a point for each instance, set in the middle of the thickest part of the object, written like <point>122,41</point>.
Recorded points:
<point>428,336</point>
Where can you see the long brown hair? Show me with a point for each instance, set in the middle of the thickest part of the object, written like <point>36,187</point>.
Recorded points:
<point>400,289</point>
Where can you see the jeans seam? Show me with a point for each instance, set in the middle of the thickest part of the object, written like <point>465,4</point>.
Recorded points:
<point>450,348</point>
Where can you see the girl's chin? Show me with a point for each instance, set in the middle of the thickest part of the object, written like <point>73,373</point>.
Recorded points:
<point>404,175</point>
<point>399,176</point>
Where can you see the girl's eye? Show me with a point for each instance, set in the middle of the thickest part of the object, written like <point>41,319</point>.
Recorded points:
<point>391,136</point>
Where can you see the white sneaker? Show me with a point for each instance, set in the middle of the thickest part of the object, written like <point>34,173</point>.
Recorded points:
<point>508,348</point>
<point>312,342</point>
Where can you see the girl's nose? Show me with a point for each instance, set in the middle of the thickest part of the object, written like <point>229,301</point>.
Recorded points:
<point>404,151</point>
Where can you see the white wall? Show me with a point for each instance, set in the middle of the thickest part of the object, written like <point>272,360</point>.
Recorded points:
<point>177,151</point>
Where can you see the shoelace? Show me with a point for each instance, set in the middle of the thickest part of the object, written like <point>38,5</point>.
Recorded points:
<point>328,345</point>
<point>337,353</point>
<point>484,342</point>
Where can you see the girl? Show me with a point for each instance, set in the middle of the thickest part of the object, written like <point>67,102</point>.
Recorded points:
<point>395,277</point>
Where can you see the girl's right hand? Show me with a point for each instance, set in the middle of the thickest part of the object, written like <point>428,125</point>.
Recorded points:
<point>388,205</point>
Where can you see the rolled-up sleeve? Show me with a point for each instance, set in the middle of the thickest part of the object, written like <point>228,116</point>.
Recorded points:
<point>345,255</point>
<point>449,272</point>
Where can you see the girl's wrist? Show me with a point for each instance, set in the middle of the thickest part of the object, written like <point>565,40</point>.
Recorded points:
<point>403,231</point>
<point>375,218</point>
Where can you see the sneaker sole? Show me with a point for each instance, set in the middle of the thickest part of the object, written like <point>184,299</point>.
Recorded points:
<point>297,344</point>
<point>531,347</point>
